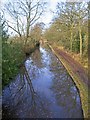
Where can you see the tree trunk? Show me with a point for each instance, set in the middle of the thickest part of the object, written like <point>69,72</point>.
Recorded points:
<point>28,28</point>
<point>27,33</point>
<point>81,42</point>
<point>71,37</point>
<point>71,40</point>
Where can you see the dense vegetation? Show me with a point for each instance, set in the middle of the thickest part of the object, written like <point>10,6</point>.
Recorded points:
<point>70,29</point>
<point>11,57</point>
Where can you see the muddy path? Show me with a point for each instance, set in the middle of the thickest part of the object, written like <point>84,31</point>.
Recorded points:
<point>56,95</point>
<point>76,67</point>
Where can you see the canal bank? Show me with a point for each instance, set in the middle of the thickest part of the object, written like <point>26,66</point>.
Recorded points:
<point>81,84</point>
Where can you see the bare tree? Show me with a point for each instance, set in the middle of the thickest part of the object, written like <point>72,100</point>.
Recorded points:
<point>72,14</point>
<point>24,14</point>
<point>66,15</point>
<point>82,13</point>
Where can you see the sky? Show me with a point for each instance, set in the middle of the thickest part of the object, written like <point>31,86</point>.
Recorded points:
<point>51,7</point>
<point>48,16</point>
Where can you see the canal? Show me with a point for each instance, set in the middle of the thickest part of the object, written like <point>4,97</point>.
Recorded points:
<point>56,95</point>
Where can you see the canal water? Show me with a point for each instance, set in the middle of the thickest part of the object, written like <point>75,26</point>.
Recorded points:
<point>56,95</point>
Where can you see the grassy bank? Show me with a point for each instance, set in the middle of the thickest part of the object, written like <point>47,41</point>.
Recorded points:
<point>13,55</point>
<point>82,87</point>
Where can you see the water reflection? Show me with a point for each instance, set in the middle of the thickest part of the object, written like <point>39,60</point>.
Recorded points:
<point>55,94</point>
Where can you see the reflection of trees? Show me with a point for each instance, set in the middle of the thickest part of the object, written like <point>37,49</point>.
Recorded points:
<point>23,97</point>
<point>34,67</point>
<point>65,94</point>
<point>57,68</point>
<point>64,88</point>
<point>36,57</point>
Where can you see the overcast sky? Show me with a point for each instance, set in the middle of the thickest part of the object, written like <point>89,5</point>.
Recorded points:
<point>51,7</point>
<point>48,16</point>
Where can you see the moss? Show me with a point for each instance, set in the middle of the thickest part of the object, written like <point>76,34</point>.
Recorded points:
<point>83,89</point>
